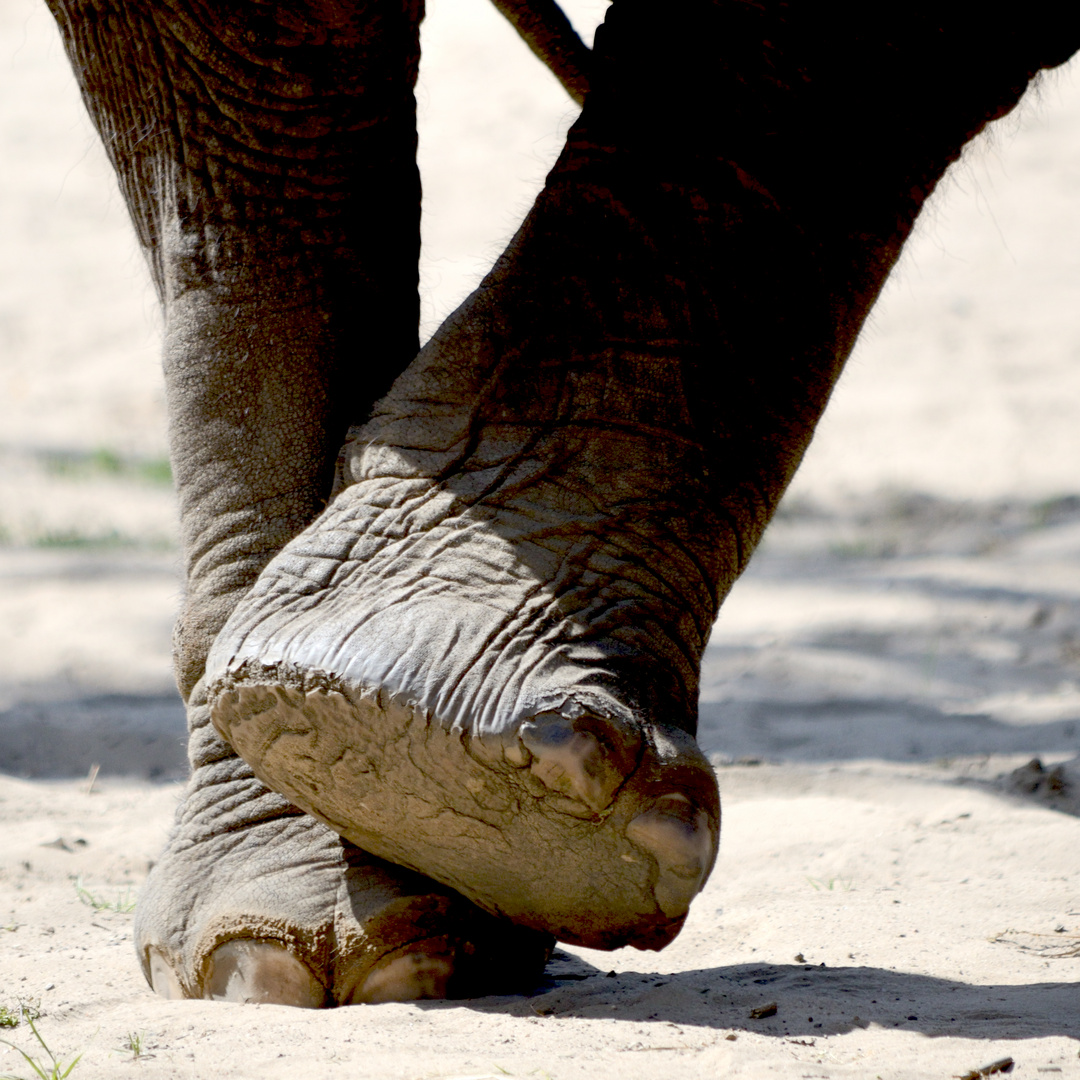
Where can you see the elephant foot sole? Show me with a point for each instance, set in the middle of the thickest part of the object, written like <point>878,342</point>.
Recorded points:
<point>572,825</point>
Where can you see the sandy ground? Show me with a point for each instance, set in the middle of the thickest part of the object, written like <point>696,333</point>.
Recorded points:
<point>908,635</point>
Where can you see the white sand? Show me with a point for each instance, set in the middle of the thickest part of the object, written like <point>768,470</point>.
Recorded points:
<point>887,656</point>
<point>893,880</point>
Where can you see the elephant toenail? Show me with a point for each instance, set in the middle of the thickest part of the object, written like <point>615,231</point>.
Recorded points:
<point>261,972</point>
<point>162,977</point>
<point>585,759</point>
<point>678,836</point>
<point>404,976</point>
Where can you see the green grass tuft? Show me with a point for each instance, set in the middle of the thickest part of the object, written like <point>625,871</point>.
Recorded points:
<point>51,1069</point>
<point>135,1045</point>
<point>104,462</point>
<point>25,1009</point>
<point>124,902</point>
<point>155,471</point>
<point>73,538</point>
<point>845,884</point>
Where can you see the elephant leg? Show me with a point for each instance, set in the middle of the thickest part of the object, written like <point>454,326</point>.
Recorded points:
<point>254,901</point>
<point>266,154</point>
<point>481,661</point>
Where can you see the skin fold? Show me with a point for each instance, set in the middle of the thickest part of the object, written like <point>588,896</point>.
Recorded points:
<point>479,663</point>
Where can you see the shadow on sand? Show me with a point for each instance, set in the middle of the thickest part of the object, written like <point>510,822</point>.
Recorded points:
<point>806,997</point>
<point>142,736</point>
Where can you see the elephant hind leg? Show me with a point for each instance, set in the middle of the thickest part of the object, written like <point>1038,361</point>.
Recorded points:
<point>266,154</point>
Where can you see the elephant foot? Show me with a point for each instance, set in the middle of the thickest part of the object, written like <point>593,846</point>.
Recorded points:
<point>254,901</point>
<point>481,661</point>
<point>525,782</point>
<point>578,825</point>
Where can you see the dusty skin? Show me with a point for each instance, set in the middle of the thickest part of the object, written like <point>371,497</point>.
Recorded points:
<point>908,633</point>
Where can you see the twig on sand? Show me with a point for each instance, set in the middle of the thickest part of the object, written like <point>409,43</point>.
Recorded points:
<point>1048,946</point>
<point>1002,1065</point>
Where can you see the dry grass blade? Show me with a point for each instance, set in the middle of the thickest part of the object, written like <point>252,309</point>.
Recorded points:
<point>1048,946</point>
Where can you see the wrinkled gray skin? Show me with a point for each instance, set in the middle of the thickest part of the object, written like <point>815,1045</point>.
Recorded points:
<point>450,714</point>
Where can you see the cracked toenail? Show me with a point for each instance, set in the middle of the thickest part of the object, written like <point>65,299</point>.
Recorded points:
<point>404,976</point>
<point>162,977</point>
<point>571,760</point>
<point>262,972</point>
<point>677,834</point>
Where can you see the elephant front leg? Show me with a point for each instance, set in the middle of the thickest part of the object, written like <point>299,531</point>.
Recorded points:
<point>266,154</point>
<point>481,661</point>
